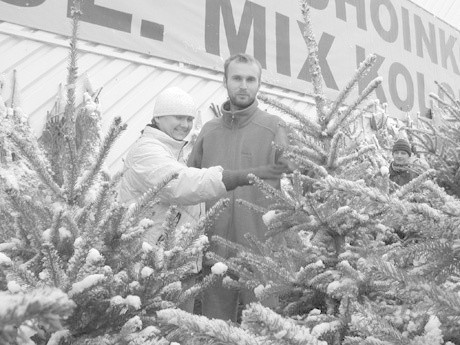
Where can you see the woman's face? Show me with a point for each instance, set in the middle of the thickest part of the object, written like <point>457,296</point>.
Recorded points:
<point>176,126</point>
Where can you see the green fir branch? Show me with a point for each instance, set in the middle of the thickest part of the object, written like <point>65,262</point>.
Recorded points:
<point>334,151</point>
<point>89,178</point>
<point>53,264</point>
<point>342,118</point>
<point>415,183</point>
<point>306,163</point>
<point>38,165</point>
<point>38,309</point>
<point>201,326</point>
<point>55,225</point>
<point>72,169</point>
<point>363,69</point>
<point>145,201</point>
<point>344,160</point>
<point>313,62</point>
<point>445,92</point>
<point>281,329</point>
<point>312,151</point>
<point>310,127</point>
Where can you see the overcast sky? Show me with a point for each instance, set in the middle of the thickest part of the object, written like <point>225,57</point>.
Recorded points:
<point>447,10</point>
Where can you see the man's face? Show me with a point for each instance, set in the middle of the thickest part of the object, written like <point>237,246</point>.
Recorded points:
<point>176,126</point>
<point>242,83</point>
<point>401,157</point>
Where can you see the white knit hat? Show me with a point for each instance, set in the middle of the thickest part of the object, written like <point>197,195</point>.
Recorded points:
<point>174,101</point>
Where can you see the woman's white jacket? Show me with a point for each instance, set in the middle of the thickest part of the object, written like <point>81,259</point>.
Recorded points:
<point>150,160</point>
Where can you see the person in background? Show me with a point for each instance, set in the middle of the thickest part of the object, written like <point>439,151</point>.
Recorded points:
<point>242,138</point>
<point>401,170</point>
<point>159,152</point>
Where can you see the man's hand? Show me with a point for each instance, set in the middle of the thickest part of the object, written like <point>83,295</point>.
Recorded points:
<point>271,171</point>
<point>238,178</point>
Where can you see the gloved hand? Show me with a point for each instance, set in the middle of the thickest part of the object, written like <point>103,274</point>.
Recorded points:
<point>271,171</point>
<point>236,178</point>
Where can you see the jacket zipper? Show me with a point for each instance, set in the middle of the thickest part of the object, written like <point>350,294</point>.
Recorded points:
<point>231,223</point>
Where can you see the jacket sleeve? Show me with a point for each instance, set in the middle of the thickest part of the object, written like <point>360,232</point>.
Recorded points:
<point>192,185</point>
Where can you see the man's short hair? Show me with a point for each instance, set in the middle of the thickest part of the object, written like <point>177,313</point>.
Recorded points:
<point>242,58</point>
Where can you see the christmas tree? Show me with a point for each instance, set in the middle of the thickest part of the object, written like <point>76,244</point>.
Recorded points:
<point>353,258</point>
<point>74,268</point>
<point>440,141</point>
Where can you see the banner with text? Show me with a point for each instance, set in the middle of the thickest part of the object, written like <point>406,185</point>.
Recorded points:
<point>414,49</point>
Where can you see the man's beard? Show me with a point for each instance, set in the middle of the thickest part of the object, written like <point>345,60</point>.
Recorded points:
<point>241,104</point>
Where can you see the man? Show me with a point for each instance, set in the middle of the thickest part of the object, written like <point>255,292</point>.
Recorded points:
<point>159,152</point>
<point>241,139</point>
<point>401,171</point>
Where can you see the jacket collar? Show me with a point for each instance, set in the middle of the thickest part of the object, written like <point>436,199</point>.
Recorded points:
<point>174,144</point>
<point>238,118</point>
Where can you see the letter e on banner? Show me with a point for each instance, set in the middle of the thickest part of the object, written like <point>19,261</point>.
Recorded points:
<point>103,16</point>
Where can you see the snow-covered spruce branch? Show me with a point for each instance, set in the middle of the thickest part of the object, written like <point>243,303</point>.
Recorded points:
<point>298,136</point>
<point>312,150</point>
<point>334,125</point>
<point>423,141</point>
<point>447,93</point>
<point>215,329</point>
<point>343,215</point>
<point>53,232</point>
<point>359,74</point>
<point>451,205</point>
<point>86,283</point>
<point>46,305</point>
<point>114,132</point>
<point>343,161</point>
<point>71,163</point>
<point>355,188</point>
<point>169,226</point>
<point>384,270</point>
<point>77,260</point>
<point>193,291</point>
<point>95,208</point>
<point>308,272</point>
<point>29,218</point>
<point>72,169</point>
<point>269,191</point>
<point>208,219</point>
<point>38,165</point>
<point>281,328</point>
<point>423,209</point>
<point>447,301</point>
<point>305,163</point>
<point>263,264</point>
<point>437,134</point>
<point>52,262</point>
<point>308,126</point>
<point>373,328</point>
<point>72,69</point>
<point>313,62</point>
<point>147,198</point>
<point>227,243</point>
<point>415,183</point>
<point>448,109</point>
<point>334,151</point>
